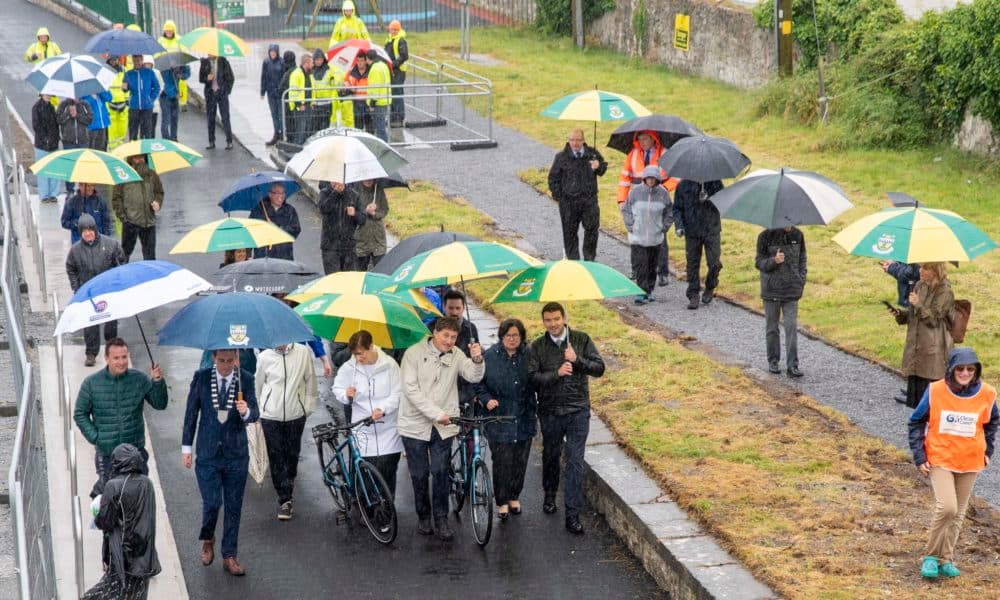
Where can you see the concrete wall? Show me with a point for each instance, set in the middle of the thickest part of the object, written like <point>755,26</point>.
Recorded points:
<point>725,45</point>
<point>976,135</point>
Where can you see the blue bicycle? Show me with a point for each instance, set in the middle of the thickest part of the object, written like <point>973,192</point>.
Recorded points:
<point>470,477</point>
<point>353,480</point>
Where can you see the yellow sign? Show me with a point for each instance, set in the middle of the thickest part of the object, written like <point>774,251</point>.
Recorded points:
<point>682,32</point>
<point>786,27</point>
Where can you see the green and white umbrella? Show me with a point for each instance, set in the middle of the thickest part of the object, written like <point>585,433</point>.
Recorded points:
<point>774,199</point>
<point>345,156</point>
<point>595,105</point>
<point>458,262</point>
<point>83,165</point>
<point>566,281</point>
<point>214,42</point>
<point>337,317</point>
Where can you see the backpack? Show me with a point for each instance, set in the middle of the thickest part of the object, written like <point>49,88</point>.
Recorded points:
<point>960,315</point>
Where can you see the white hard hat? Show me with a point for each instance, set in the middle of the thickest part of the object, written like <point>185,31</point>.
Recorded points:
<point>147,59</point>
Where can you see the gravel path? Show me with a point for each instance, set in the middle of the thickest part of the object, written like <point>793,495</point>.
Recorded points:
<point>488,179</point>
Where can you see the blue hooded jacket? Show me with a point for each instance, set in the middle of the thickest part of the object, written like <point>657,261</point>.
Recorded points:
<point>271,72</point>
<point>99,107</point>
<point>143,88</point>
<point>77,206</point>
<point>170,81</point>
<point>921,414</point>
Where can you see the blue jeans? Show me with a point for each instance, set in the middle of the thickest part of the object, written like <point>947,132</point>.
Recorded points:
<point>379,126</point>
<point>570,430</point>
<point>427,458</point>
<point>169,111</point>
<point>47,187</point>
<point>274,103</point>
<point>221,482</point>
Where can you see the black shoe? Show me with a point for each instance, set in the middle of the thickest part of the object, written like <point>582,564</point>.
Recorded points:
<point>549,506</point>
<point>229,145</point>
<point>707,296</point>
<point>271,141</point>
<point>210,146</point>
<point>773,368</point>
<point>424,527</point>
<point>794,372</point>
<point>285,511</point>
<point>90,360</point>
<point>650,298</point>
<point>693,303</point>
<point>900,399</point>
<point>443,529</point>
<point>573,525</point>
<point>639,300</point>
<point>632,276</point>
<point>662,281</point>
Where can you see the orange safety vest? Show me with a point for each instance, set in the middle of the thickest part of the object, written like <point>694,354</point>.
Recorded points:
<point>955,440</point>
<point>634,165</point>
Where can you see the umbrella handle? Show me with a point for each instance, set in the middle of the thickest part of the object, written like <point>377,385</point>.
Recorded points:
<point>144,341</point>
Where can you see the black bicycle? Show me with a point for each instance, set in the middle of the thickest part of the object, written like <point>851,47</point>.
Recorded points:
<point>470,476</point>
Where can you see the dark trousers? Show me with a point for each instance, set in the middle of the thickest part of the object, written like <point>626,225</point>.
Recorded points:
<point>221,482</point>
<point>274,104</point>
<point>663,260</point>
<point>92,336</point>
<point>712,247</point>
<point>425,459</point>
<point>145,235</point>
<point>380,127</point>
<point>510,461</point>
<point>102,465</point>
<point>773,311</point>
<point>387,464</point>
<point>320,117</point>
<point>170,110</point>
<point>367,262</point>
<point>140,124</point>
<point>98,139</point>
<point>570,430</point>
<point>284,444</point>
<point>362,120</point>
<point>217,101</point>
<point>574,213</point>
<point>338,259</point>
<point>300,124</point>
<point>644,259</point>
<point>915,388</point>
<point>397,111</point>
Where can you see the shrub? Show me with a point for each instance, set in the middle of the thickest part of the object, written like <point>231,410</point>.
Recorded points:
<point>556,16</point>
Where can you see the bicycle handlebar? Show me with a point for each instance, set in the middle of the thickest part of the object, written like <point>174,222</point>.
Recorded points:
<point>482,420</point>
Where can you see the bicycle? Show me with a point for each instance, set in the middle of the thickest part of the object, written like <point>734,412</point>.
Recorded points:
<point>354,480</point>
<point>469,476</point>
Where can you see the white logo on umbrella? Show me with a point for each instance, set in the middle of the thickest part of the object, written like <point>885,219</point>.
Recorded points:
<point>404,273</point>
<point>524,288</point>
<point>120,172</point>
<point>157,146</point>
<point>616,112</point>
<point>884,244</point>
<point>313,306</point>
<point>238,335</point>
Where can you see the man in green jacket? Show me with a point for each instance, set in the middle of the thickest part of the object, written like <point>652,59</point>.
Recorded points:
<point>109,407</point>
<point>136,205</point>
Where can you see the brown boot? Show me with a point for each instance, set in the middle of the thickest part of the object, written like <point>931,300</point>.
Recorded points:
<point>232,566</point>
<point>207,552</point>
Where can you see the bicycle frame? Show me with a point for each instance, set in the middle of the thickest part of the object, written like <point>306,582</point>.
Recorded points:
<point>467,460</point>
<point>355,461</point>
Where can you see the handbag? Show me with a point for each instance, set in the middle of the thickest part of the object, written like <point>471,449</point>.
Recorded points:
<point>257,447</point>
<point>960,315</point>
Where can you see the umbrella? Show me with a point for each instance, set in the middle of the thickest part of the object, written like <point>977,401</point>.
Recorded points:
<point>163,155</point>
<point>126,291</point>
<point>234,321</point>
<point>214,42</point>
<point>566,281</point>
<point>71,76</point>
<point>392,180</point>
<point>915,235</point>
<point>122,42</point>
<point>261,275</point>
<point>774,199</point>
<point>668,128</point>
<point>414,245</point>
<point>337,317</point>
<point>246,192</point>
<point>346,157</point>
<point>362,282</point>
<point>85,165</point>
<point>704,158</point>
<point>344,54</point>
<point>899,199</point>
<point>231,234</point>
<point>172,59</point>
<point>459,262</point>
<point>595,105</point>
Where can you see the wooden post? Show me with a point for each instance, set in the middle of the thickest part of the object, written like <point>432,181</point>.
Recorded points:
<point>578,22</point>
<point>783,34</point>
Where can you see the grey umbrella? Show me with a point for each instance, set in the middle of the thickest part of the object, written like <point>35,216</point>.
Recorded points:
<point>261,275</point>
<point>669,128</point>
<point>171,59</point>
<point>704,158</point>
<point>901,200</point>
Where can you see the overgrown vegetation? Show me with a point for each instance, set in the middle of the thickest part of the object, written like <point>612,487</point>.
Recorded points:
<point>556,16</point>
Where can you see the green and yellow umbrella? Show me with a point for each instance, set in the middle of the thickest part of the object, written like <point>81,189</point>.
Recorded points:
<point>164,155</point>
<point>231,234</point>
<point>83,165</point>
<point>566,281</point>
<point>214,42</point>
<point>337,317</point>
<point>460,262</point>
<point>595,105</point>
<point>361,282</point>
<point>915,235</point>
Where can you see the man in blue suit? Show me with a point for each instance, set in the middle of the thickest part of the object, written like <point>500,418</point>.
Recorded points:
<point>220,404</point>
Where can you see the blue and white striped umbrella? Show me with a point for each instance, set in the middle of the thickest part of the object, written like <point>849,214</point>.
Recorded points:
<point>128,290</point>
<point>71,76</point>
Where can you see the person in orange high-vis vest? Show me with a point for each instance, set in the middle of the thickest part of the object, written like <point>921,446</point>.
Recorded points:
<point>951,437</point>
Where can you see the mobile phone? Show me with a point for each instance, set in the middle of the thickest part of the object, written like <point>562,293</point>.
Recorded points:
<point>890,306</point>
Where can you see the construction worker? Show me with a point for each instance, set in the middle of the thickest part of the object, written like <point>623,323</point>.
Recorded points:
<point>349,26</point>
<point>357,78</point>
<point>378,95</point>
<point>43,47</point>
<point>322,94</point>
<point>300,95</point>
<point>395,46</point>
<point>341,111</point>
<point>646,151</point>
<point>170,42</point>
<point>117,107</point>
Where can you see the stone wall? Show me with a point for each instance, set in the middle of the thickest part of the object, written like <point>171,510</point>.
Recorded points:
<point>511,11</point>
<point>976,135</point>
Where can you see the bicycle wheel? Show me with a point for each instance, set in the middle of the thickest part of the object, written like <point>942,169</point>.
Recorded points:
<point>375,503</point>
<point>482,502</point>
<point>333,477</point>
<point>456,475</point>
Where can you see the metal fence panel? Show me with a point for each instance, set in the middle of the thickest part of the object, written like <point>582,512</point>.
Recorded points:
<point>115,11</point>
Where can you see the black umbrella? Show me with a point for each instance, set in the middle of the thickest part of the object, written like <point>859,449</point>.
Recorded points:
<point>392,180</point>
<point>901,200</point>
<point>171,59</point>
<point>416,244</point>
<point>669,128</point>
<point>261,275</point>
<point>704,158</point>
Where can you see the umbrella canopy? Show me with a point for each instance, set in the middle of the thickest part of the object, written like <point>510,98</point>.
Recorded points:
<point>901,199</point>
<point>162,155</point>
<point>703,158</point>
<point>362,282</point>
<point>172,58</point>
<point>915,235</point>
<point>234,321</point>
<point>668,128</point>
<point>774,199</point>
<point>246,192</point>
<point>231,234</point>
<point>337,317</point>
<point>122,42</point>
<point>416,244</point>
<point>461,261</point>
<point>128,290</point>
<point>214,42</point>
<point>85,165</point>
<point>392,180</point>
<point>566,281</point>
<point>71,76</point>
<point>344,54</point>
<point>595,105</point>
<point>345,157</point>
<point>261,275</point>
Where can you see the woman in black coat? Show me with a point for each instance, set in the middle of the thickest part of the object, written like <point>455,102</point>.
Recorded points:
<point>506,390</point>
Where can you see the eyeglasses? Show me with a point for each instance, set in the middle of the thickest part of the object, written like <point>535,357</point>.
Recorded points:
<point>966,368</point>
<point>512,336</point>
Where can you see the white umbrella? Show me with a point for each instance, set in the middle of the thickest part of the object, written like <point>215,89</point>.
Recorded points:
<point>345,156</point>
<point>71,76</point>
<point>774,199</point>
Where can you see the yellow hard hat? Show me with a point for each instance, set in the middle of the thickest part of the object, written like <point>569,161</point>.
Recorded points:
<point>133,27</point>
<point>347,5</point>
<point>44,31</point>
<point>169,25</point>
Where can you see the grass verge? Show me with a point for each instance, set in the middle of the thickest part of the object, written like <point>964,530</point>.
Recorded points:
<point>812,505</point>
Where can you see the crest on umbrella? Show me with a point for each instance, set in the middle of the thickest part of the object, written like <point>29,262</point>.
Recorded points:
<point>238,335</point>
<point>524,288</point>
<point>313,306</point>
<point>616,112</point>
<point>884,244</point>
<point>404,272</point>
<point>99,307</point>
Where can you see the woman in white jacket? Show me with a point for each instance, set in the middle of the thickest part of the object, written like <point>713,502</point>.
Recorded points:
<point>286,393</point>
<point>371,383</point>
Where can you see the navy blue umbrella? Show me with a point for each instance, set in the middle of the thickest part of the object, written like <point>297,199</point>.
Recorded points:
<point>122,42</point>
<point>237,320</point>
<point>247,191</point>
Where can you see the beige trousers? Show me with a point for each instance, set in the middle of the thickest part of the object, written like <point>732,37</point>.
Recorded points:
<point>951,495</point>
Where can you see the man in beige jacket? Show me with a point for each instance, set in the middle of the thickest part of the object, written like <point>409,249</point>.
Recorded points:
<point>430,399</point>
